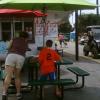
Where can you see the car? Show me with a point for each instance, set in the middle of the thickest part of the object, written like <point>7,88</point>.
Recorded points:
<point>93,43</point>
<point>91,46</point>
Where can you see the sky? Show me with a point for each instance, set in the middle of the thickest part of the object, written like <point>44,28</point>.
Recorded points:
<point>72,17</point>
<point>91,11</point>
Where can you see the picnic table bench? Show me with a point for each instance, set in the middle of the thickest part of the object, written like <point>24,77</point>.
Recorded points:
<point>61,83</point>
<point>79,73</point>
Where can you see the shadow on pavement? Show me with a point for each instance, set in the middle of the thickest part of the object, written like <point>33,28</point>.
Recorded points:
<point>87,93</point>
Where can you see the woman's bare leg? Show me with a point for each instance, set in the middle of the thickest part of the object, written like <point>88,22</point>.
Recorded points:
<point>18,79</point>
<point>9,72</point>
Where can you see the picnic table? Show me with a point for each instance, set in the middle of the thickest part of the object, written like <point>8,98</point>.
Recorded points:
<point>59,82</point>
<point>59,63</point>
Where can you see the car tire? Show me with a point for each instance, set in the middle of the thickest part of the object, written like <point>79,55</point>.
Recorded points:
<point>94,53</point>
<point>86,50</point>
<point>86,53</point>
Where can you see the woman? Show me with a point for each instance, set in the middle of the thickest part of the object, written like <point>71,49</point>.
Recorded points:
<point>14,62</point>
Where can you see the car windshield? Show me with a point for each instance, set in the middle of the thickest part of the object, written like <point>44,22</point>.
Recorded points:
<point>97,36</point>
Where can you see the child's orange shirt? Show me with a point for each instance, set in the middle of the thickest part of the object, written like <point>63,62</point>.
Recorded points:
<point>47,58</point>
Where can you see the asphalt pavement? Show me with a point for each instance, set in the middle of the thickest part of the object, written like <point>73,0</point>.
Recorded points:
<point>91,91</point>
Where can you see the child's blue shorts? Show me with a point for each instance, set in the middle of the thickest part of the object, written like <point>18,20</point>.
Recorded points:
<point>50,76</point>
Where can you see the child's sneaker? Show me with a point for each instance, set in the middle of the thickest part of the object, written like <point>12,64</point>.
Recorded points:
<point>19,96</point>
<point>4,97</point>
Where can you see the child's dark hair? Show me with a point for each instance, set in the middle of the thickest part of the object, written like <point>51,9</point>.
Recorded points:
<point>49,43</point>
<point>23,34</point>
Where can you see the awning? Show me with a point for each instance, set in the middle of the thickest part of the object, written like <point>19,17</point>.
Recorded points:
<point>16,12</point>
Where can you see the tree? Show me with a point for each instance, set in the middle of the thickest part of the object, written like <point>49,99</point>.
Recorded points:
<point>87,20</point>
<point>65,27</point>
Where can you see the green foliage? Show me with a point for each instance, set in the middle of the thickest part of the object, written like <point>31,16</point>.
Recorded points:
<point>65,27</point>
<point>87,20</point>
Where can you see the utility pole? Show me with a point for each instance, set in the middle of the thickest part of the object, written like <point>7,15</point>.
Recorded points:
<point>97,10</point>
<point>76,36</point>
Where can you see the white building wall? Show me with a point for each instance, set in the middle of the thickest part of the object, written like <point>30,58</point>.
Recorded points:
<point>51,27</point>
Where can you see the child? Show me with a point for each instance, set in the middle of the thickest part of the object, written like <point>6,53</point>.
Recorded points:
<point>47,58</point>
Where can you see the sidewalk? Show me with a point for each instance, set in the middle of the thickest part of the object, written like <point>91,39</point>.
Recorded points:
<point>91,91</point>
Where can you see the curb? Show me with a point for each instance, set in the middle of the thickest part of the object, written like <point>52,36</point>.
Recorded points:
<point>97,61</point>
